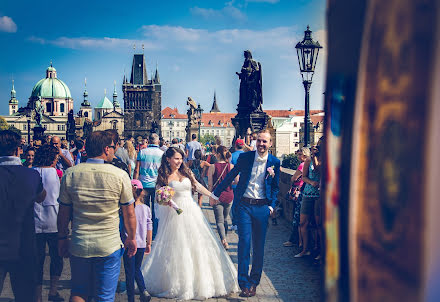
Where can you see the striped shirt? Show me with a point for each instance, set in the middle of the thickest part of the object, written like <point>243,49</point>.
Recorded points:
<point>149,159</point>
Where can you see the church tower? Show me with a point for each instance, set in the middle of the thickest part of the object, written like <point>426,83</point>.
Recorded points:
<point>116,105</point>
<point>142,101</point>
<point>86,109</point>
<point>13,102</point>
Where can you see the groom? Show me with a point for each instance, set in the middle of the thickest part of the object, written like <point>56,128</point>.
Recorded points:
<point>254,200</point>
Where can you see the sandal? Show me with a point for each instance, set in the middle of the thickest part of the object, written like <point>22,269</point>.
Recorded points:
<point>225,244</point>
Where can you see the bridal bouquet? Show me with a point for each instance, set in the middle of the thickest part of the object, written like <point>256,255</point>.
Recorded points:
<point>163,197</point>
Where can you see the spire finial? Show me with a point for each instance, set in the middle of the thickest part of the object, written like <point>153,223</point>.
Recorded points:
<point>143,48</point>
<point>134,46</point>
<point>105,91</point>
<point>13,93</point>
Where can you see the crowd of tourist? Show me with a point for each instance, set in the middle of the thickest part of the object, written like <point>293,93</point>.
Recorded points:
<point>108,203</point>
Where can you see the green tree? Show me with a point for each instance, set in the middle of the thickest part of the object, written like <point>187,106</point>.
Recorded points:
<point>291,161</point>
<point>16,130</point>
<point>3,124</point>
<point>207,138</point>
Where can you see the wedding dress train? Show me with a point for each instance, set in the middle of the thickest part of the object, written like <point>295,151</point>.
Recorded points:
<point>187,260</point>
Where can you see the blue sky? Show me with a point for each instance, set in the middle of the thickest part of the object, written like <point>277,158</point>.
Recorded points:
<point>197,44</point>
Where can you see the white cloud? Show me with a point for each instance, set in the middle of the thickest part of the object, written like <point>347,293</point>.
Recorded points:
<point>229,12</point>
<point>265,1</point>
<point>7,25</point>
<point>190,39</point>
<point>90,43</point>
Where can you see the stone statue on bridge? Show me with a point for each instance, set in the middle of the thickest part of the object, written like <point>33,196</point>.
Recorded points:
<point>38,112</point>
<point>251,95</point>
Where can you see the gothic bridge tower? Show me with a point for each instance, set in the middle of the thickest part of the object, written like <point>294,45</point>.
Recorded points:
<point>142,101</point>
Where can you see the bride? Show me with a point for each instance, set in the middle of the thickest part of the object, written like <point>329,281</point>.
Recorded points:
<point>187,260</point>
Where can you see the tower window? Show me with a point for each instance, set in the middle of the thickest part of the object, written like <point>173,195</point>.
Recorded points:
<point>62,107</point>
<point>48,107</point>
<point>86,114</point>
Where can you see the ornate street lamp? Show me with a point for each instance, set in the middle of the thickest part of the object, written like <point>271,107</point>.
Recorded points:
<point>307,51</point>
<point>198,112</point>
<point>170,125</point>
<point>28,117</point>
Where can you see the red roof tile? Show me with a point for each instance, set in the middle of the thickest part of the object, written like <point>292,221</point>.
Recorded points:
<point>317,119</point>
<point>173,113</point>
<point>217,119</point>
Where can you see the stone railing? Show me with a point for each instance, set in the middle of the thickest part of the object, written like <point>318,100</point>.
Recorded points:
<point>286,175</point>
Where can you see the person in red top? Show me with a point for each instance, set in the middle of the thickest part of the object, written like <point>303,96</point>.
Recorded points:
<point>216,174</point>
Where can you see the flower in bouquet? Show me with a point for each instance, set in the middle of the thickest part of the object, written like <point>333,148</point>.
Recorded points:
<point>164,197</point>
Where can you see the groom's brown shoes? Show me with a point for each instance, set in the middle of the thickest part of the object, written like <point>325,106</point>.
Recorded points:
<point>245,292</point>
<point>252,291</point>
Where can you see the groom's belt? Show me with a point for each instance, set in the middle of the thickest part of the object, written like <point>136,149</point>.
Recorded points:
<point>257,202</point>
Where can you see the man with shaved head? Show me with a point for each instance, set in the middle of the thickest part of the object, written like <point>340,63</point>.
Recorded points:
<point>65,160</point>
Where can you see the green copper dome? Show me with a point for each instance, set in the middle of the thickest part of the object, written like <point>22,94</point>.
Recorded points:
<point>104,104</point>
<point>51,87</point>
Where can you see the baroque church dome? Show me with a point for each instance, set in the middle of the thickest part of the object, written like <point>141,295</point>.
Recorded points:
<point>51,87</point>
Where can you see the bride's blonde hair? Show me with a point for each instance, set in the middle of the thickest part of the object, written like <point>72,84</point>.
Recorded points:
<point>165,169</point>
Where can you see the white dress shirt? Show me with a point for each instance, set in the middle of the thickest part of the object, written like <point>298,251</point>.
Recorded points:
<point>256,186</point>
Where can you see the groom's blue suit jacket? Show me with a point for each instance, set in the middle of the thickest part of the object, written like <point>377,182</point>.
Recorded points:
<point>244,167</point>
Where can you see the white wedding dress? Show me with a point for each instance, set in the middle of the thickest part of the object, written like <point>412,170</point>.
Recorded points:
<point>187,261</point>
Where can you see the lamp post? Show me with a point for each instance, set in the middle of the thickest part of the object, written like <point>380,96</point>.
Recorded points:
<point>307,51</point>
<point>199,112</point>
<point>28,116</point>
<point>170,125</point>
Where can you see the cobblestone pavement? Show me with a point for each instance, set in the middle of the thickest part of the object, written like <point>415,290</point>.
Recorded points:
<point>284,278</point>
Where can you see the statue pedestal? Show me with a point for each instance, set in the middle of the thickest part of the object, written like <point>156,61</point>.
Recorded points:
<point>38,132</point>
<point>255,121</point>
<point>190,131</point>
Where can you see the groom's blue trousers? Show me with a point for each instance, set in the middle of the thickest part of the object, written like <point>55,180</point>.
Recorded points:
<point>252,225</point>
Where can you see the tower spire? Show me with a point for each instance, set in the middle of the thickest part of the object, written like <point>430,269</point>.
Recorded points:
<point>214,104</point>
<point>13,92</point>
<point>115,97</point>
<point>156,76</point>
<point>85,94</point>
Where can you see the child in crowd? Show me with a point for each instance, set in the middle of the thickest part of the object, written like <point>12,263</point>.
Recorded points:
<point>197,167</point>
<point>144,234</point>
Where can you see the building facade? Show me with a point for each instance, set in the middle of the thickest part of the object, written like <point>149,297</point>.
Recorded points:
<point>142,101</point>
<point>56,100</point>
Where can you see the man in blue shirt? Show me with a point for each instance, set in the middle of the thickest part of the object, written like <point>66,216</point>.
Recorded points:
<point>239,144</point>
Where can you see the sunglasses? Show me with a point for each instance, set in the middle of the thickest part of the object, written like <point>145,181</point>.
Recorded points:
<point>112,146</point>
